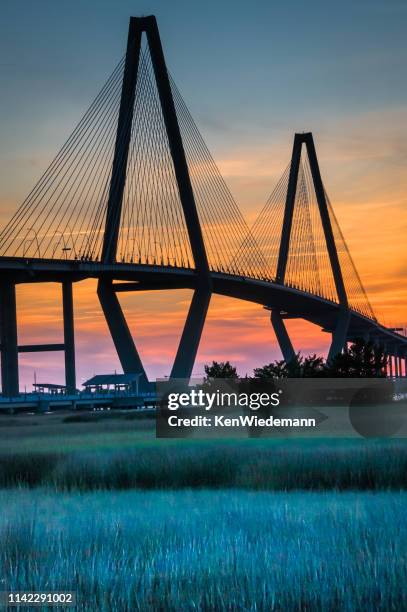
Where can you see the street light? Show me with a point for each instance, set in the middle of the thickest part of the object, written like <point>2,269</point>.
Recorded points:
<point>65,248</point>
<point>29,242</point>
<point>137,382</point>
<point>65,251</point>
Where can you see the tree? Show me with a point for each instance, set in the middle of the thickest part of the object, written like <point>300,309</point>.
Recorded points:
<point>313,367</point>
<point>277,369</point>
<point>220,369</point>
<point>360,360</point>
<point>299,367</point>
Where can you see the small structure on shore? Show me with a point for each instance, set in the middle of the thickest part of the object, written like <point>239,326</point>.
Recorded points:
<point>50,388</point>
<point>103,383</point>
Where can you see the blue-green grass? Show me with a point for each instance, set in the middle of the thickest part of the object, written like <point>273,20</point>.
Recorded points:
<point>208,550</point>
<point>247,464</point>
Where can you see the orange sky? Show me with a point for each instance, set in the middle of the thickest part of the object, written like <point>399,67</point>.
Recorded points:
<point>235,330</point>
<point>367,184</point>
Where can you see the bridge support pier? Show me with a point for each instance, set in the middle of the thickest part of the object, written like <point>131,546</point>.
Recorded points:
<point>339,334</point>
<point>396,364</point>
<point>9,347</point>
<point>283,338</point>
<point>191,335</point>
<point>69,337</point>
<point>119,330</point>
<point>387,369</point>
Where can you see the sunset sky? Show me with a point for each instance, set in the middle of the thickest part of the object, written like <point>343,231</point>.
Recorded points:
<point>252,75</point>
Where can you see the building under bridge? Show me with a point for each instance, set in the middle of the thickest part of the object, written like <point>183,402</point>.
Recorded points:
<point>106,383</point>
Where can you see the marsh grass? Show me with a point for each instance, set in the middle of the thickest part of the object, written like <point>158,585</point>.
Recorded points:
<point>364,465</point>
<point>208,550</point>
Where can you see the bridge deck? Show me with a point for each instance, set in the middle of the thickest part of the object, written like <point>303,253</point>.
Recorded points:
<point>291,302</point>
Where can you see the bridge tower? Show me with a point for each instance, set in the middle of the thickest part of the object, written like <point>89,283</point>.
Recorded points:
<point>340,330</point>
<point>123,341</point>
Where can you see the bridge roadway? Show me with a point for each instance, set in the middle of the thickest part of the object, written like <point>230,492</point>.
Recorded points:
<point>289,301</point>
<point>43,402</point>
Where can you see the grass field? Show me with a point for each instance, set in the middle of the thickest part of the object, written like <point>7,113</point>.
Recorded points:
<point>246,464</point>
<point>134,523</point>
<point>208,550</point>
<point>66,431</point>
<point>86,452</point>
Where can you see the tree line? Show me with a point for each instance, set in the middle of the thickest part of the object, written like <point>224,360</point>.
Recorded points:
<point>360,359</point>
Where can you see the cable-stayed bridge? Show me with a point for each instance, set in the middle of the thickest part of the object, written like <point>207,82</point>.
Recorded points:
<point>135,200</point>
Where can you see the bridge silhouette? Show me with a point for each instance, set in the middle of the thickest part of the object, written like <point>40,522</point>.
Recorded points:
<point>135,200</point>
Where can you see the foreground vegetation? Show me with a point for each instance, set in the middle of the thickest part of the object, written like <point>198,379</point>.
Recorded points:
<point>95,504</point>
<point>208,550</point>
<point>247,464</point>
